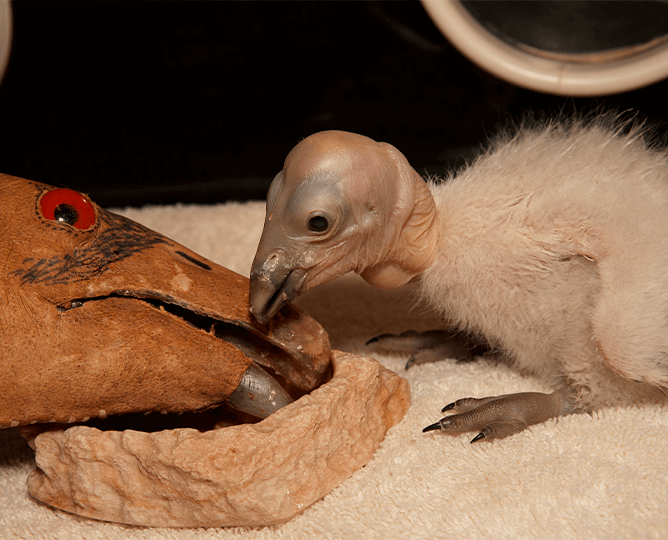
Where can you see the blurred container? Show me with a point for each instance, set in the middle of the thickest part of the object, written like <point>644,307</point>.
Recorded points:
<point>5,35</point>
<point>573,48</point>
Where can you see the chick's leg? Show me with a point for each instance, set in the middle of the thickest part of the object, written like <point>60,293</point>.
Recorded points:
<point>500,416</point>
<point>423,347</point>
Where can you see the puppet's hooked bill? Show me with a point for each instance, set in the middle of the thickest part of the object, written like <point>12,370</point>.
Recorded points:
<point>258,394</point>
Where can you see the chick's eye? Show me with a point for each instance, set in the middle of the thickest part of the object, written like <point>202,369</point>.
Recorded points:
<point>68,206</point>
<point>318,224</point>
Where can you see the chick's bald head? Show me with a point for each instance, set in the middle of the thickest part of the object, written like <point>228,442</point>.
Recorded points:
<point>337,206</point>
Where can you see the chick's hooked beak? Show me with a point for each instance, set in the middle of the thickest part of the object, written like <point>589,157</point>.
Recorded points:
<point>274,283</point>
<point>328,213</point>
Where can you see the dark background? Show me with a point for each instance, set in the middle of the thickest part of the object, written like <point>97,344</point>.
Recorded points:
<point>161,102</point>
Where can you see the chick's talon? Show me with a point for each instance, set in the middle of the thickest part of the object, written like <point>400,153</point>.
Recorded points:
<point>432,427</point>
<point>478,437</point>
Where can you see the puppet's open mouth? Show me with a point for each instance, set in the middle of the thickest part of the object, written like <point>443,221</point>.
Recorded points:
<point>265,380</point>
<point>150,422</point>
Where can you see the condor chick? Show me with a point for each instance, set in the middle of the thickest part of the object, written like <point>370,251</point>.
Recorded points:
<point>553,246</point>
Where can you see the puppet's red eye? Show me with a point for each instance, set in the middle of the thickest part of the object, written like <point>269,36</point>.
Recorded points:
<point>68,206</point>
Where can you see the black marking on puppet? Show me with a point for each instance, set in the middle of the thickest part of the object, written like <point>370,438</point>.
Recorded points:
<point>193,260</point>
<point>120,239</point>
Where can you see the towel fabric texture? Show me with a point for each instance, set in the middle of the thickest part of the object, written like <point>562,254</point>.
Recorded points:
<point>603,475</point>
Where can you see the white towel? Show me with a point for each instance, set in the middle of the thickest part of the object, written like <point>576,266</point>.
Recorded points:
<point>600,476</point>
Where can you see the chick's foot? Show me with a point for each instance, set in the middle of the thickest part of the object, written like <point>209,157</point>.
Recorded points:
<point>423,347</point>
<point>500,416</point>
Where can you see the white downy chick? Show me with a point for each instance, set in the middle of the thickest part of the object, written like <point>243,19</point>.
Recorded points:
<point>553,245</point>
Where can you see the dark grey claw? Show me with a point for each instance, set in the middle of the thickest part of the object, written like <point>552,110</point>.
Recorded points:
<point>478,437</point>
<point>432,427</point>
<point>258,394</point>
